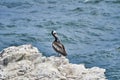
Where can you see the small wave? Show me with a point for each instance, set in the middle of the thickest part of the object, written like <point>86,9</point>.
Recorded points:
<point>12,4</point>
<point>114,1</point>
<point>78,9</point>
<point>92,1</point>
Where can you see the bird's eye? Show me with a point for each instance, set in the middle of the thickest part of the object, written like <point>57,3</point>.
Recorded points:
<point>55,33</point>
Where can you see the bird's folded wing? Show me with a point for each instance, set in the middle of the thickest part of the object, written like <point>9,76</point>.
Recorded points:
<point>59,47</point>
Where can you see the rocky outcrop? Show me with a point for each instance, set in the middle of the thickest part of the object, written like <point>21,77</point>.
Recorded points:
<point>27,63</point>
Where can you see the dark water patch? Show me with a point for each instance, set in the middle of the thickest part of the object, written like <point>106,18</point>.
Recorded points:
<point>24,6</point>
<point>22,35</point>
<point>106,14</point>
<point>51,7</point>
<point>11,26</point>
<point>21,19</point>
<point>116,17</point>
<point>7,34</point>
<point>39,26</point>
<point>52,2</point>
<point>114,1</point>
<point>49,23</point>
<point>115,40</point>
<point>25,19</point>
<point>10,4</point>
<point>93,1</point>
<point>78,9</point>
<point>14,44</point>
<point>2,26</point>
<point>72,24</point>
<point>118,49</point>
<point>94,12</point>
<point>34,11</point>
<point>28,39</point>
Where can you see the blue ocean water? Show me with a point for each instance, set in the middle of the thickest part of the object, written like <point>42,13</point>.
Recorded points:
<point>89,29</point>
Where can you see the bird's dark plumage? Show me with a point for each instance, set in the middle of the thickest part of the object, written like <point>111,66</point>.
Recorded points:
<point>57,45</point>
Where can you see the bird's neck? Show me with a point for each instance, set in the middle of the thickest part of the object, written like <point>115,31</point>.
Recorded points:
<point>56,39</point>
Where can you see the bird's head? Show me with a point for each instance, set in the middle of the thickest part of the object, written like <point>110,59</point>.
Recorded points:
<point>54,33</point>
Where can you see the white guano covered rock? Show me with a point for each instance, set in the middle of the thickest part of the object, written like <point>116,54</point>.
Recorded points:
<point>27,63</point>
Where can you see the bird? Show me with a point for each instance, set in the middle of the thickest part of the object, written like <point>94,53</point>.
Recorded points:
<point>57,45</point>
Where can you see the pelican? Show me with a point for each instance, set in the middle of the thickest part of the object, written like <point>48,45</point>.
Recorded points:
<point>57,45</point>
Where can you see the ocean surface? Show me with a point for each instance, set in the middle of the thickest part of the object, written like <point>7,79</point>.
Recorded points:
<point>89,29</point>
